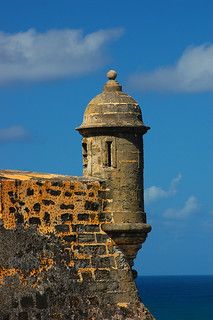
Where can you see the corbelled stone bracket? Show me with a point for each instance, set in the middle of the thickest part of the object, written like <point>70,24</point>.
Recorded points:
<point>128,236</point>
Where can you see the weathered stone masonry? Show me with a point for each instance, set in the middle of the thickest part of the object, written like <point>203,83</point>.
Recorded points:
<point>60,257</point>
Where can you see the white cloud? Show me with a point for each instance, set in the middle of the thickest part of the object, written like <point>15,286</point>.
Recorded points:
<point>190,206</point>
<point>33,56</point>
<point>193,72</point>
<point>154,193</point>
<point>13,133</point>
<point>208,224</point>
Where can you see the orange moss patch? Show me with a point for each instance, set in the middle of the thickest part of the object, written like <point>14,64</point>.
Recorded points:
<point>4,272</point>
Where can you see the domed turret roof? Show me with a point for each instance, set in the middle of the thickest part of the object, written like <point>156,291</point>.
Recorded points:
<point>112,108</point>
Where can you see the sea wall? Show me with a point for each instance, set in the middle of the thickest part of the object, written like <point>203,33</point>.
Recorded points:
<point>55,260</point>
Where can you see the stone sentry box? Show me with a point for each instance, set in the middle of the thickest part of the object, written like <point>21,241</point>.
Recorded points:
<point>112,148</point>
<point>67,243</point>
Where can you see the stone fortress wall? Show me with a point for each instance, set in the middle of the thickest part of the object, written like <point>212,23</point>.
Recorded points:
<point>64,252</point>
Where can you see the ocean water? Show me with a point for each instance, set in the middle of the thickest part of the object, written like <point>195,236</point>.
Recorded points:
<point>178,297</point>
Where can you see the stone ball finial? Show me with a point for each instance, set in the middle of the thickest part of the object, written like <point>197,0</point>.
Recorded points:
<point>111,74</point>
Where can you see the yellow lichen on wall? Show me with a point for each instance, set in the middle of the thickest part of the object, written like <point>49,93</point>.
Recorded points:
<point>7,218</point>
<point>45,264</point>
<point>8,272</point>
<point>70,209</point>
<point>53,230</point>
<point>46,203</point>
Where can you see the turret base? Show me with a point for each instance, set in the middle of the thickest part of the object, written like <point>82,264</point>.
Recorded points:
<point>128,236</point>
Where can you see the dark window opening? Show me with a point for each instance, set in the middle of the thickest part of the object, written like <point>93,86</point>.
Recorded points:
<point>109,153</point>
<point>84,147</point>
<point>84,152</point>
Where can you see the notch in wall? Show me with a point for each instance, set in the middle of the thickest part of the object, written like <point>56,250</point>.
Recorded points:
<point>110,153</point>
<point>84,153</point>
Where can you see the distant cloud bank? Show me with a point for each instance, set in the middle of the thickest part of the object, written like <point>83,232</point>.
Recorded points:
<point>13,133</point>
<point>33,56</point>
<point>193,72</point>
<point>190,206</point>
<point>154,193</point>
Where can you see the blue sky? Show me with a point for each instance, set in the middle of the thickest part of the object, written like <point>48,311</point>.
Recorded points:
<point>53,60</point>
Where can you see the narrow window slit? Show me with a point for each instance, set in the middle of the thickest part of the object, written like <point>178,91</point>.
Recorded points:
<point>84,146</point>
<point>109,153</point>
<point>84,152</point>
